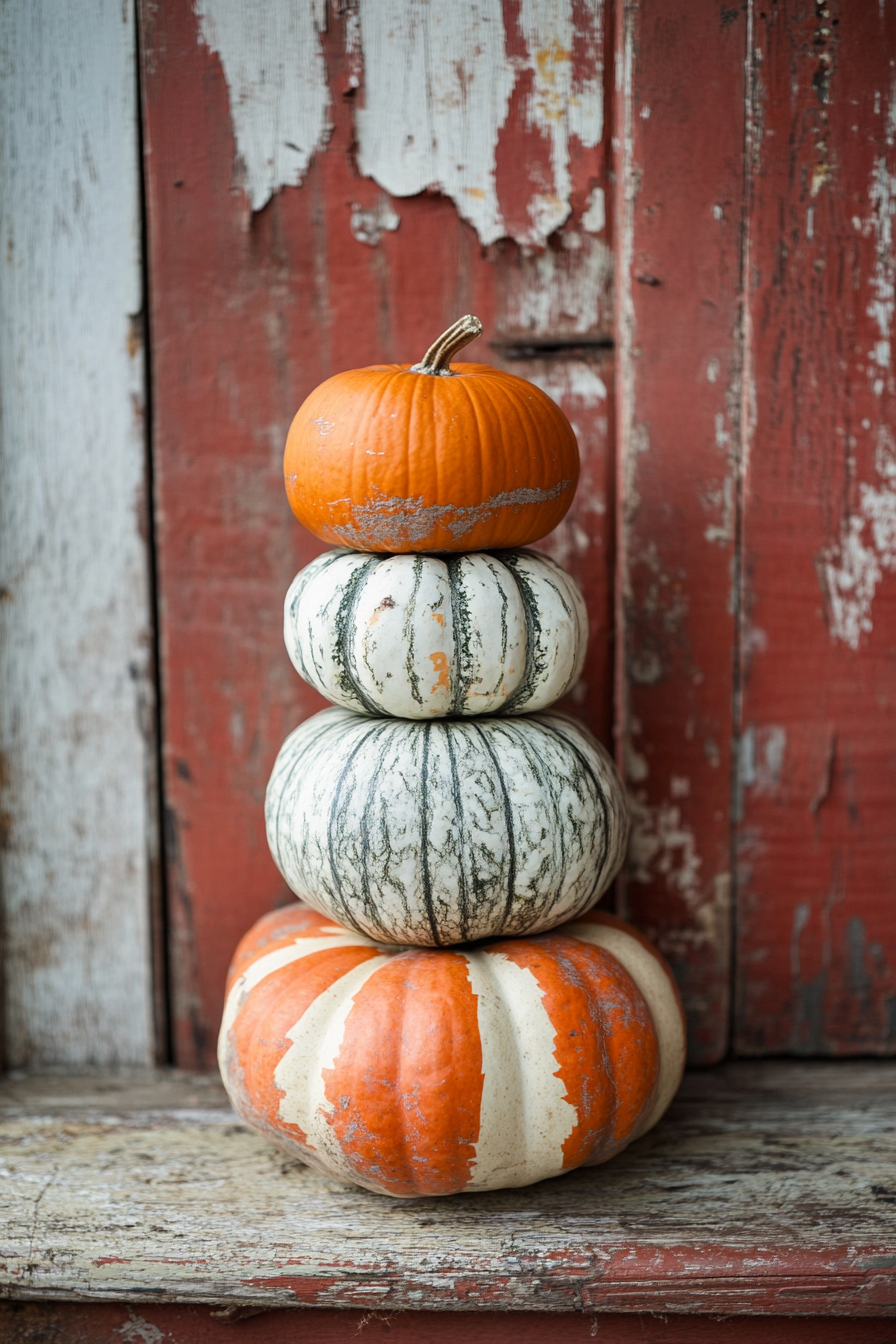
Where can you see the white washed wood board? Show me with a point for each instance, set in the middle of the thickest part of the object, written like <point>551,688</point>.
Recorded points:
<point>76,704</point>
<point>764,1190</point>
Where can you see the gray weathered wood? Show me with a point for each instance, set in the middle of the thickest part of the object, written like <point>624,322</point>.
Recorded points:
<point>76,709</point>
<point>767,1189</point>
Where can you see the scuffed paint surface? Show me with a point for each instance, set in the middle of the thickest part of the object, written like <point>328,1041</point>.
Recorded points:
<point>277,84</point>
<point>853,569</point>
<point>565,291</point>
<point>436,87</point>
<point>759,1195</point>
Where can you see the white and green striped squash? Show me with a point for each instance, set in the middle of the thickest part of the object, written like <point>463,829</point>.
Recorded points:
<point>422,636</point>
<point>445,831</point>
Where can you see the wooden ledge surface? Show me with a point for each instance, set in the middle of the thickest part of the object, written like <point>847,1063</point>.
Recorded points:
<point>768,1188</point>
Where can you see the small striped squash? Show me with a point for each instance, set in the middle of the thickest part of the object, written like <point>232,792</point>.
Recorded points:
<point>419,636</point>
<point>448,831</point>
<point>421,1072</point>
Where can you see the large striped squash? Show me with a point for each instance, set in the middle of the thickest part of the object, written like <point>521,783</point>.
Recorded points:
<point>419,636</point>
<point>421,1072</point>
<point>448,831</point>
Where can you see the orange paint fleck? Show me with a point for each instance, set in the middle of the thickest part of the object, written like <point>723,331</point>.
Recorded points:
<point>440,617</point>
<point>441,667</point>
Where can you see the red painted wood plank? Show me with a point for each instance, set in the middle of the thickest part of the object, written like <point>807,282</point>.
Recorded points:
<point>679,127</point>
<point>816,840</point>
<point>109,1323</point>
<point>248,313</point>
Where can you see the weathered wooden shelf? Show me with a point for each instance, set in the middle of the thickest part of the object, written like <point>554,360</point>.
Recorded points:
<point>768,1189</point>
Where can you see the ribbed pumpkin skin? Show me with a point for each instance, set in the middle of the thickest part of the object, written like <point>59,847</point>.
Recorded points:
<point>418,636</point>
<point>385,459</point>
<point>418,1072</point>
<point>444,832</point>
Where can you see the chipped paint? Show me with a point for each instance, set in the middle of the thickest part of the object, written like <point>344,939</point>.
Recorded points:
<point>852,570</point>
<point>557,107</point>
<point>663,845</point>
<point>368,226</point>
<point>755,1197</point>
<point>761,757</point>
<point>565,291</point>
<point>277,85</point>
<point>882,196</point>
<point>594,219</point>
<point>436,89</point>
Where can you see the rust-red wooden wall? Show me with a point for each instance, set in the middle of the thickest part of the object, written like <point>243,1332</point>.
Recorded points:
<point>731,388</point>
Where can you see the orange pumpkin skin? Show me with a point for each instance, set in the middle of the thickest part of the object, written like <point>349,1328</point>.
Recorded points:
<point>428,1072</point>
<point>388,459</point>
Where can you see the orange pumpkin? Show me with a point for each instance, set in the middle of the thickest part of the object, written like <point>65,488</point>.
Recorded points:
<point>430,457</point>
<point>426,1072</point>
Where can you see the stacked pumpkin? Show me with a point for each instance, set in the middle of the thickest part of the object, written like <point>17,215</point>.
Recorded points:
<point>370,1030</point>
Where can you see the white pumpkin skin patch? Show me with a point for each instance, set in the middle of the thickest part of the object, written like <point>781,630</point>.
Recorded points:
<point>424,636</point>
<point>445,832</point>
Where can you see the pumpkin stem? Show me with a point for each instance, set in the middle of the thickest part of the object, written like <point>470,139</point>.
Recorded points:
<point>441,352</point>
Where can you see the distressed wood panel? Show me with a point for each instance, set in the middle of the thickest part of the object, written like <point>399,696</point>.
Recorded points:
<point>109,1323</point>
<point>765,1191</point>
<point>816,839</point>
<point>679,126</point>
<point>78,844</point>
<point>253,307</point>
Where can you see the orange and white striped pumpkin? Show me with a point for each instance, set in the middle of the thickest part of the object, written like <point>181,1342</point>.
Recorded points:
<point>416,1071</point>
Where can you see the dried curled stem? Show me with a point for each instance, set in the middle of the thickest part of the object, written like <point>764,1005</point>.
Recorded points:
<point>441,352</point>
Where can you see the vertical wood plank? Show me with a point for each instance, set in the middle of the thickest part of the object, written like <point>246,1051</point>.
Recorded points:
<point>76,711</point>
<point>816,838</point>
<point>253,308</point>
<point>679,131</point>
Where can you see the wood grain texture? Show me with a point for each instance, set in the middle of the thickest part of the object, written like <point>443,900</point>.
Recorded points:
<point>77,705</point>
<point>250,310</point>
<point>766,1191</point>
<point>679,124</point>
<point>110,1323</point>
<point>817,777</point>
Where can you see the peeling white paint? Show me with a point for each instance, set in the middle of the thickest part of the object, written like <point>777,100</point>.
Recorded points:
<point>437,90</point>
<point>577,381</point>
<point>852,569</point>
<point>556,107</point>
<point>594,219</point>
<point>437,87</point>
<point>761,757</point>
<point>573,385</point>
<point>565,293</point>
<point>277,86</point>
<point>882,192</point>
<point>368,226</point>
<point>663,845</point>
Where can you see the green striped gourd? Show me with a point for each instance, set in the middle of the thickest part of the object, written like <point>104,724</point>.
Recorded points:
<point>421,636</point>
<point>445,831</point>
